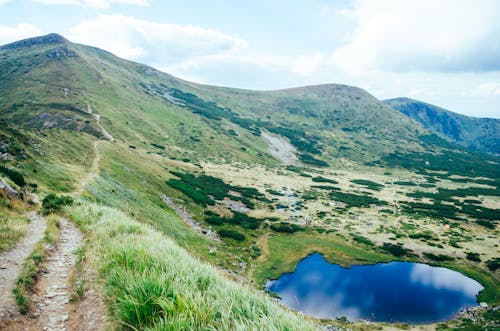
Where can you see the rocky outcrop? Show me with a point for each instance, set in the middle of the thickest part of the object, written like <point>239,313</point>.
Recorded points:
<point>11,193</point>
<point>60,52</point>
<point>52,38</point>
<point>186,216</point>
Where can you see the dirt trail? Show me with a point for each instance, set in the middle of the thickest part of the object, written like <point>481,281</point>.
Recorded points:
<point>53,286</point>
<point>97,117</point>
<point>12,261</point>
<point>51,306</point>
<point>94,170</point>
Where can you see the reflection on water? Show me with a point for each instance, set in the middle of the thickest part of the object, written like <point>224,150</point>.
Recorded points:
<point>388,292</point>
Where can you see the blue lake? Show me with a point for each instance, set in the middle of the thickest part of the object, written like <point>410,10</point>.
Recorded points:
<point>384,292</point>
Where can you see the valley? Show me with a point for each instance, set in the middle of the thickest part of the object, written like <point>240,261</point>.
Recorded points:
<point>189,197</point>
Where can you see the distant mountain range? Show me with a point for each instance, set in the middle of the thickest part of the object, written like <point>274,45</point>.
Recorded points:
<point>479,134</point>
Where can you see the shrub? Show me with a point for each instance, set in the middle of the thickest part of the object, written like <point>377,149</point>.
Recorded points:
<point>405,183</point>
<point>355,200</point>
<point>422,235</point>
<point>321,179</point>
<point>396,250</point>
<point>363,240</point>
<point>53,203</point>
<point>14,175</point>
<point>308,159</point>
<point>368,184</point>
<point>231,234</point>
<point>438,257</point>
<point>214,220</point>
<point>493,264</point>
<point>285,227</point>
<point>200,188</point>
<point>245,221</point>
<point>274,192</point>
<point>473,257</point>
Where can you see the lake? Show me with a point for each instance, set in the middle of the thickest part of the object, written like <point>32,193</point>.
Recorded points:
<point>384,292</point>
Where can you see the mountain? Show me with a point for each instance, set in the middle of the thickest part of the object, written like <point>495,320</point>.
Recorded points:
<point>479,134</point>
<point>191,196</point>
<point>49,82</point>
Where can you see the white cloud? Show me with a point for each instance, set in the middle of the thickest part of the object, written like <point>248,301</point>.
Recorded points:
<point>10,34</point>
<point>98,4</point>
<point>416,35</point>
<point>486,90</point>
<point>155,43</point>
<point>308,65</point>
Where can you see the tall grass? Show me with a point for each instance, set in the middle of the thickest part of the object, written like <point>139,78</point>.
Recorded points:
<point>13,227</point>
<point>150,283</point>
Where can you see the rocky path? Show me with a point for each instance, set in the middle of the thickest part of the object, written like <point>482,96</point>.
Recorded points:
<point>97,117</point>
<point>52,309</point>
<point>12,261</point>
<point>54,293</point>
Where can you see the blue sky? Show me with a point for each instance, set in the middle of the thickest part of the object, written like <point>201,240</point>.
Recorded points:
<point>446,52</point>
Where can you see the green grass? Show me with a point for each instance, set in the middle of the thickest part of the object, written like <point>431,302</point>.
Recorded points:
<point>13,226</point>
<point>151,283</point>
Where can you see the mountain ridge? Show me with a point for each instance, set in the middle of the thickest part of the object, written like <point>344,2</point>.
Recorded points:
<point>89,72</point>
<point>479,134</point>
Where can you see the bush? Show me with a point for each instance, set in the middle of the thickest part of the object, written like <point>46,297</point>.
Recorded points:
<point>321,179</point>
<point>368,184</point>
<point>285,227</point>
<point>308,159</point>
<point>214,220</point>
<point>200,188</point>
<point>364,240</point>
<point>14,175</point>
<point>355,200</point>
<point>473,257</point>
<point>422,235</point>
<point>245,221</point>
<point>231,234</point>
<point>438,257</point>
<point>396,250</point>
<point>493,264</point>
<point>53,203</point>
<point>405,183</point>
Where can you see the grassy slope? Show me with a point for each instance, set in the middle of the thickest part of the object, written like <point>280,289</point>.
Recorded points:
<point>349,121</point>
<point>172,290</point>
<point>481,134</point>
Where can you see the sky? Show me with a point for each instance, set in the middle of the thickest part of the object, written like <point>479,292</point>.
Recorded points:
<point>445,52</point>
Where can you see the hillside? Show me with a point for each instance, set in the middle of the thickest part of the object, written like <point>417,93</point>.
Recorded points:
<point>479,134</point>
<point>236,185</point>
